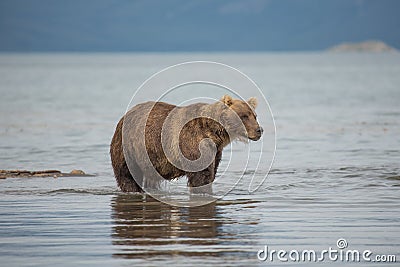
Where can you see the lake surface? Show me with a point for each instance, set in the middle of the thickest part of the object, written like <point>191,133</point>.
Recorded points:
<point>336,172</point>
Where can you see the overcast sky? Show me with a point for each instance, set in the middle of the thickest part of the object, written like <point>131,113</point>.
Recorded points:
<point>194,25</point>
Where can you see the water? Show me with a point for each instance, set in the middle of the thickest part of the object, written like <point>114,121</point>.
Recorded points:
<point>336,173</point>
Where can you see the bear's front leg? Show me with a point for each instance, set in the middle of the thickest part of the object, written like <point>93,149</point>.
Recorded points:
<point>201,182</point>
<point>217,160</point>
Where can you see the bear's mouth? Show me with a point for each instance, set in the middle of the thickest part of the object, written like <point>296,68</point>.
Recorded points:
<point>254,138</point>
<point>244,137</point>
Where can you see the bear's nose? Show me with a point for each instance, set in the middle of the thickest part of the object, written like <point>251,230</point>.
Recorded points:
<point>260,130</point>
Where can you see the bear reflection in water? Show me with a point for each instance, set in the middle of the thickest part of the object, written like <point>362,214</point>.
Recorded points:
<point>143,224</point>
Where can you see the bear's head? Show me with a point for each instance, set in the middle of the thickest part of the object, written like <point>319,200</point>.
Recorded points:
<point>240,119</point>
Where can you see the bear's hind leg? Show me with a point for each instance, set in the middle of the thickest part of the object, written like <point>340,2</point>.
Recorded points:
<point>125,179</point>
<point>122,174</point>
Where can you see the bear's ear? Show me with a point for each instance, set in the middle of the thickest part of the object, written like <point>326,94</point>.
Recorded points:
<point>227,100</point>
<point>253,102</point>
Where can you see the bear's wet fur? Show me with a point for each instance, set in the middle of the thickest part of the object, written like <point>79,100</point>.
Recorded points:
<point>147,120</point>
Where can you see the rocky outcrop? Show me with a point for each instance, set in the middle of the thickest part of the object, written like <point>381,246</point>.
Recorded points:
<point>45,173</point>
<point>367,46</point>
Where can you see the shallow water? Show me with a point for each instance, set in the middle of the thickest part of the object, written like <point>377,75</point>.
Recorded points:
<point>336,172</point>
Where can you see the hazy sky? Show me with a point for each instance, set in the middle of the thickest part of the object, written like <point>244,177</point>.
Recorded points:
<point>197,25</point>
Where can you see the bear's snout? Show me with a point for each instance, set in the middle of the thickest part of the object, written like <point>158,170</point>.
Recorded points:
<point>257,134</point>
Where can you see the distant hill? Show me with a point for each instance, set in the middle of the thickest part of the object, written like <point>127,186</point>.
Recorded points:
<point>367,46</point>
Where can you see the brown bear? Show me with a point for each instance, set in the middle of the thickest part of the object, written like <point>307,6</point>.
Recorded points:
<point>159,139</point>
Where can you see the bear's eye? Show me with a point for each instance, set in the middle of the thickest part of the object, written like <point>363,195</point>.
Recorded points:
<point>245,116</point>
